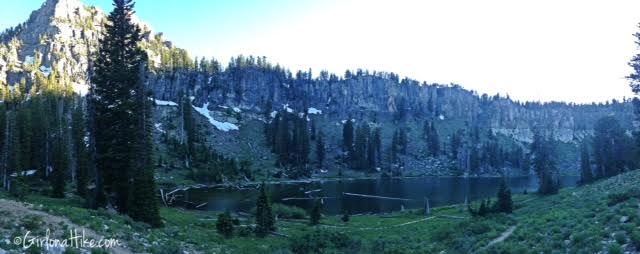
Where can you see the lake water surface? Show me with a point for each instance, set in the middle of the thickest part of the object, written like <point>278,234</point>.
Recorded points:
<point>438,190</point>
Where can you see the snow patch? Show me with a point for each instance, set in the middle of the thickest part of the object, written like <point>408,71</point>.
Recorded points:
<point>166,103</point>
<point>159,128</point>
<point>287,108</point>
<point>29,60</point>
<point>46,71</point>
<point>3,63</point>
<point>80,89</point>
<point>441,117</point>
<point>236,109</point>
<point>223,126</point>
<point>274,114</point>
<point>314,111</point>
<point>25,173</point>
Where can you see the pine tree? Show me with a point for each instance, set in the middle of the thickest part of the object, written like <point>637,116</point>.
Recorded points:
<point>609,147</point>
<point>320,149</point>
<point>121,115</point>
<point>433,141</point>
<point>347,138</point>
<point>144,204</point>
<point>265,222</point>
<point>345,215</point>
<point>316,213</point>
<point>377,142</point>
<point>189,127</point>
<point>586,176</point>
<point>504,203</point>
<point>403,141</point>
<point>359,158</point>
<point>544,164</point>
<point>78,129</point>
<point>224,224</point>
<point>455,143</point>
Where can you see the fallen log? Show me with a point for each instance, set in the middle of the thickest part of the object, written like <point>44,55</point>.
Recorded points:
<point>312,191</point>
<point>309,198</point>
<point>373,196</point>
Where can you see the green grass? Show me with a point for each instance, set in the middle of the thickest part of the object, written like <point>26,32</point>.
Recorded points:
<point>577,220</point>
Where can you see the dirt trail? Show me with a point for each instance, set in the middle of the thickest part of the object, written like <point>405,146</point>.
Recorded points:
<point>16,211</point>
<point>502,237</point>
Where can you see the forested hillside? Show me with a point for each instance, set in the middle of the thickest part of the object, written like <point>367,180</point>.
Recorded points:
<point>215,122</point>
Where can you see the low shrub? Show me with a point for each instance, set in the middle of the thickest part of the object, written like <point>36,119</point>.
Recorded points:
<point>615,248</point>
<point>323,241</point>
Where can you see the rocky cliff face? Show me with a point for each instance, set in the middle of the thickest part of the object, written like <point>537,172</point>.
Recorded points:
<point>369,95</point>
<point>62,36</point>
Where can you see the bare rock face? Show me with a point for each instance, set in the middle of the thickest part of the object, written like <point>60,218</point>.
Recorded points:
<point>62,36</point>
<point>365,96</point>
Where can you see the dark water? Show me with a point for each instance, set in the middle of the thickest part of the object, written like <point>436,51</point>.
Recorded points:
<point>439,190</point>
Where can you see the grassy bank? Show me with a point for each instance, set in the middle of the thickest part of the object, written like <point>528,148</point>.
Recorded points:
<point>601,217</point>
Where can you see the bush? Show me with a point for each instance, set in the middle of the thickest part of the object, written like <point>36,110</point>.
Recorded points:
<point>616,198</point>
<point>635,239</point>
<point>615,248</point>
<point>32,222</point>
<point>323,241</point>
<point>244,231</point>
<point>224,225</point>
<point>620,237</point>
<point>286,212</point>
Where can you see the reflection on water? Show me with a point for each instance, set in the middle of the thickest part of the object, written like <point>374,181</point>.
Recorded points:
<point>439,190</point>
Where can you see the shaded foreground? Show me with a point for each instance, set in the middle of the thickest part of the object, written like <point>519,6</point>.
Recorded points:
<point>603,216</point>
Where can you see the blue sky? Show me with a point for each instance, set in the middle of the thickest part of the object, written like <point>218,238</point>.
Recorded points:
<point>570,50</point>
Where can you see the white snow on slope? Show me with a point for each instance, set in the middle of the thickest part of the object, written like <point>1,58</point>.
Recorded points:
<point>236,109</point>
<point>314,111</point>
<point>274,114</point>
<point>223,126</point>
<point>45,70</point>
<point>287,108</point>
<point>29,60</point>
<point>159,127</point>
<point>80,89</point>
<point>166,103</point>
<point>25,173</point>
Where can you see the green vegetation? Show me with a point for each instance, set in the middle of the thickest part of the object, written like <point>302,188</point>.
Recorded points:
<point>577,219</point>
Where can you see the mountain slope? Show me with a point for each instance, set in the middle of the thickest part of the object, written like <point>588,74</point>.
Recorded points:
<point>62,35</point>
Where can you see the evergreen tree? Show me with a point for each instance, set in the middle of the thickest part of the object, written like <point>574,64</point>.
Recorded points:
<point>320,149</point>
<point>265,222</point>
<point>80,149</point>
<point>60,164</point>
<point>586,175</point>
<point>610,147</point>
<point>433,141</point>
<point>403,141</point>
<point>455,142</point>
<point>347,138</point>
<point>377,142</point>
<point>359,158</point>
<point>371,155</point>
<point>144,204</point>
<point>544,163</point>
<point>504,203</point>
<point>121,115</point>
<point>316,213</point>
<point>224,224</point>
<point>189,127</point>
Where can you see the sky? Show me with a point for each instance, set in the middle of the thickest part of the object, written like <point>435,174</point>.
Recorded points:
<point>545,50</point>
